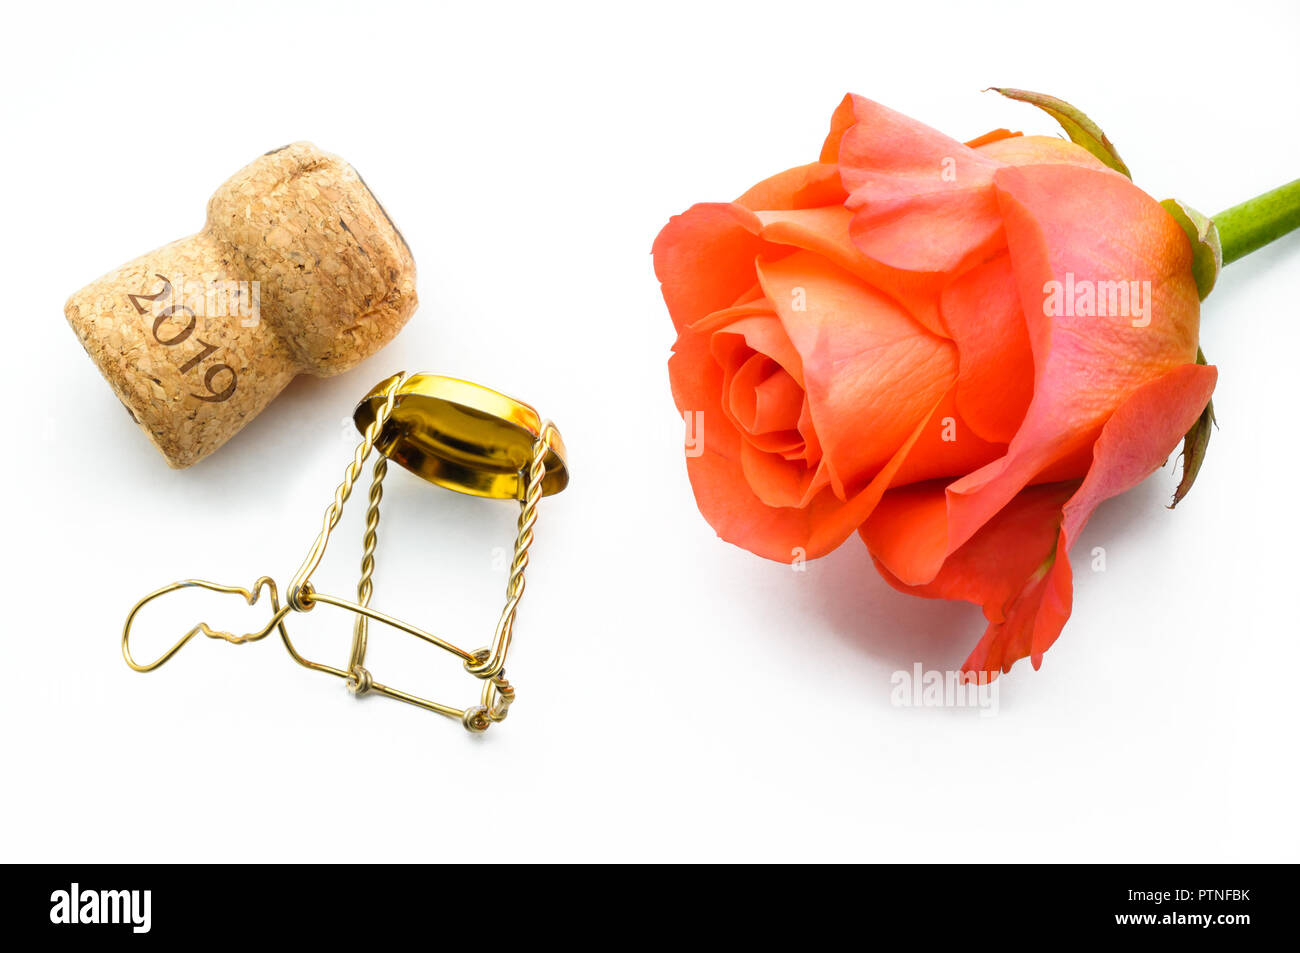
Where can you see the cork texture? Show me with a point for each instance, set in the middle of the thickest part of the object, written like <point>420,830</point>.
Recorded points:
<point>298,270</point>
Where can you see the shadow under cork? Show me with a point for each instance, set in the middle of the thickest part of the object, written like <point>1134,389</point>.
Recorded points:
<point>310,416</point>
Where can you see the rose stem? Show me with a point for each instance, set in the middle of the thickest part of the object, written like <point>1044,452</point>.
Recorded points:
<point>1258,221</point>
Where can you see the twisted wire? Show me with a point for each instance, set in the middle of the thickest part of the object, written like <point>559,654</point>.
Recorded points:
<point>365,587</point>
<point>496,660</point>
<point>362,681</point>
<point>297,597</point>
<point>498,694</point>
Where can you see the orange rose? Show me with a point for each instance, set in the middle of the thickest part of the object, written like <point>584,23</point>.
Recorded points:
<point>957,350</point>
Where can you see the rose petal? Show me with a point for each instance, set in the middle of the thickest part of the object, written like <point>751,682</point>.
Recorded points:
<point>1017,565</point>
<point>723,234</point>
<point>1096,226</point>
<point>995,135</point>
<point>1038,150</point>
<point>739,516</point>
<point>871,373</point>
<point>778,401</point>
<point>755,327</point>
<point>990,570</point>
<point>1134,443</point>
<point>947,447</point>
<point>924,201</point>
<point>1139,438</point>
<point>778,481</point>
<point>841,121</point>
<point>825,231</point>
<point>804,186</point>
<point>743,379</point>
<point>1034,619</point>
<point>995,364</point>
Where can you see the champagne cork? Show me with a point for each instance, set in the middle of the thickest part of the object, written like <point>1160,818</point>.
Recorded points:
<point>298,270</point>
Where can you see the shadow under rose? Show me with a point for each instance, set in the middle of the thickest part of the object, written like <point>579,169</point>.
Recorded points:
<point>858,606</point>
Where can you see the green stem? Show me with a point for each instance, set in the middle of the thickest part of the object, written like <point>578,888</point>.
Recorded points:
<point>1258,221</point>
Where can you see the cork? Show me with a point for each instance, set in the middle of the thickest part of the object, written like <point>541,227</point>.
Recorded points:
<point>298,270</point>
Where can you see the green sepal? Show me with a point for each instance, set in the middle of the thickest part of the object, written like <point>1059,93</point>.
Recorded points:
<point>1081,130</point>
<point>1207,250</point>
<point>1195,443</point>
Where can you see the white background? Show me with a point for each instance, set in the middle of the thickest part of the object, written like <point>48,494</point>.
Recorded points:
<point>678,698</point>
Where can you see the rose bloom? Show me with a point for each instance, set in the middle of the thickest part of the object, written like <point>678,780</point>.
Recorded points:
<point>875,343</point>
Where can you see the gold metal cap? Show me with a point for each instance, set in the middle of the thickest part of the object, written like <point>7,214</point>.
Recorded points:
<point>463,436</point>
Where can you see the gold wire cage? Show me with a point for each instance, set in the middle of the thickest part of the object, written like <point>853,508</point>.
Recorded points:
<point>454,434</point>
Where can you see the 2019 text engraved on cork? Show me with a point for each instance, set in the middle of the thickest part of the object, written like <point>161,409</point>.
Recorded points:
<point>163,299</point>
<point>298,269</point>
